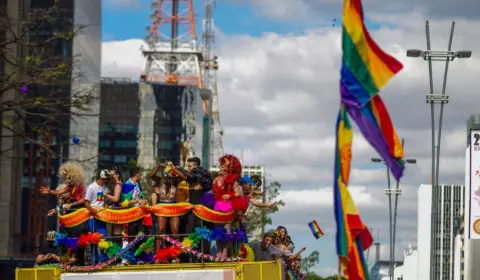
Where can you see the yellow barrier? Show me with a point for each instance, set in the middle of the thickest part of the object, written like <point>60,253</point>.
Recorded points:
<point>243,270</point>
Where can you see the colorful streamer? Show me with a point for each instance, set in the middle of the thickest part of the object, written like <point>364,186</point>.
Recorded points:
<point>125,216</point>
<point>198,254</point>
<point>74,268</point>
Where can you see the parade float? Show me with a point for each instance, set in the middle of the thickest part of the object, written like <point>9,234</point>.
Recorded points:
<point>147,263</point>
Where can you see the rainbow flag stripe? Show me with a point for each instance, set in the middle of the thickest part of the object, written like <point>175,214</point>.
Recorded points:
<point>291,275</point>
<point>369,64</point>
<point>316,231</point>
<point>365,70</point>
<point>352,235</point>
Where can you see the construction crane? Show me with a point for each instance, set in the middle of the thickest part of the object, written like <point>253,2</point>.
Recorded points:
<point>173,58</point>
<point>210,66</point>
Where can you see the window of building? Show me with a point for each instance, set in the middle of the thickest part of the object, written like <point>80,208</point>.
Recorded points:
<point>105,143</point>
<point>120,159</point>
<point>105,158</point>
<point>165,145</point>
<point>163,129</point>
<point>125,143</point>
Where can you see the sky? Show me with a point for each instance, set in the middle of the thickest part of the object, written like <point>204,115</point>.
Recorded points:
<point>278,77</point>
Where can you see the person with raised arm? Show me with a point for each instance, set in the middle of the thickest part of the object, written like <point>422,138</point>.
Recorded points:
<point>71,196</point>
<point>165,192</point>
<point>115,198</point>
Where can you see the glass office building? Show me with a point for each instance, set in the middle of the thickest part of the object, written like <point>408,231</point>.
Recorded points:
<point>118,122</point>
<point>24,210</point>
<point>144,122</point>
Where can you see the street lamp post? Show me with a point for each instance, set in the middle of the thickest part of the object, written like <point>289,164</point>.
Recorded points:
<point>442,99</point>
<point>393,217</point>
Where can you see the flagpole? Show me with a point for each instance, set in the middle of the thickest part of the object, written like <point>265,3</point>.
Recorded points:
<point>393,214</point>
<point>395,208</point>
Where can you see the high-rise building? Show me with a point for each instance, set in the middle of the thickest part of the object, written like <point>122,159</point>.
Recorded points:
<point>451,199</point>
<point>23,213</point>
<point>459,258</point>
<point>119,121</point>
<point>144,122</point>
<point>10,164</point>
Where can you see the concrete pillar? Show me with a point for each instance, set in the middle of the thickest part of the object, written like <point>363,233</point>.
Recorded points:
<point>11,159</point>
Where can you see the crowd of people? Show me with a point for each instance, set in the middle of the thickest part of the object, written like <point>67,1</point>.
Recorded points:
<point>228,189</point>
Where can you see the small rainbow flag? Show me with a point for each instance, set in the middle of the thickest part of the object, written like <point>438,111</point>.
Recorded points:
<point>291,275</point>
<point>316,231</point>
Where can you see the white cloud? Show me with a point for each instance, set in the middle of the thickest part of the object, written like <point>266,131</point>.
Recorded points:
<point>279,99</point>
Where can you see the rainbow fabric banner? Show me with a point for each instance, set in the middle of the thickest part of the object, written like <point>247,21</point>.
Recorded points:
<point>365,70</point>
<point>316,231</point>
<point>352,235</point>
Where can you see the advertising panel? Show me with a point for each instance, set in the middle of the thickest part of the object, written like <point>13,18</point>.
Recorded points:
<point>474,201</point>
<point>219,274</point>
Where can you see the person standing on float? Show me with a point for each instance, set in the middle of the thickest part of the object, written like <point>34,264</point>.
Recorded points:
<point>200,182</point>
<point>226,188</point>
<point>94,202</point>
<point>71,197</point>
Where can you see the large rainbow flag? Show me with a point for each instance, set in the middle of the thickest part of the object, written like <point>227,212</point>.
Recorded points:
<point>365,70</point>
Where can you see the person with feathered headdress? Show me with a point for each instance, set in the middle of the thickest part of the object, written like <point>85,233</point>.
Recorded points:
<point>226,188</point>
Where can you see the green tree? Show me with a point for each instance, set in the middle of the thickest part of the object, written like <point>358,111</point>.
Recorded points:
<point>260,217</point>
<point>314,276</point>
<point>310,261</point>
<point>37,100</point>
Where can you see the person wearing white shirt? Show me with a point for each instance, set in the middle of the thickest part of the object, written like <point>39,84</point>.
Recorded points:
<point>94,199</point>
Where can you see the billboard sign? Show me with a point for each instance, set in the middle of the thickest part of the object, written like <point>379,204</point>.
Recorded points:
<point>474,188</point>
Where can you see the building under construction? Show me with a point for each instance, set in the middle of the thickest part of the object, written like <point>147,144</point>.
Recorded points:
<point>175,58</point>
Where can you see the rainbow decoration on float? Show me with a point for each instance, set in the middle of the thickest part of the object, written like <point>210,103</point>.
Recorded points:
<point>316,231</point>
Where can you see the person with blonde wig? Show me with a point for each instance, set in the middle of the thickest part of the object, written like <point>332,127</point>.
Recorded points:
<point>73,176</point>
<point>71,195</point>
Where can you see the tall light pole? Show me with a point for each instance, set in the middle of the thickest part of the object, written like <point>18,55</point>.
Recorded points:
<point>432,99</point>
<point>393,214</point>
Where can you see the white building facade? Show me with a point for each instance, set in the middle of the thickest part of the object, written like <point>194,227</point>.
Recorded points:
<point>248,170</point>
<point>451,199</point>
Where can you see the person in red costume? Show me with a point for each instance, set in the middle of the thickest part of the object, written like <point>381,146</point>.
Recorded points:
<point>226,189</point>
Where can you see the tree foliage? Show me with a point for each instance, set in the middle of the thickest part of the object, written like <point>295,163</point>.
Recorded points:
<point>314,276</point>
<point>37,100</point>
<point>310,261</point>
<point>260,217</point>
